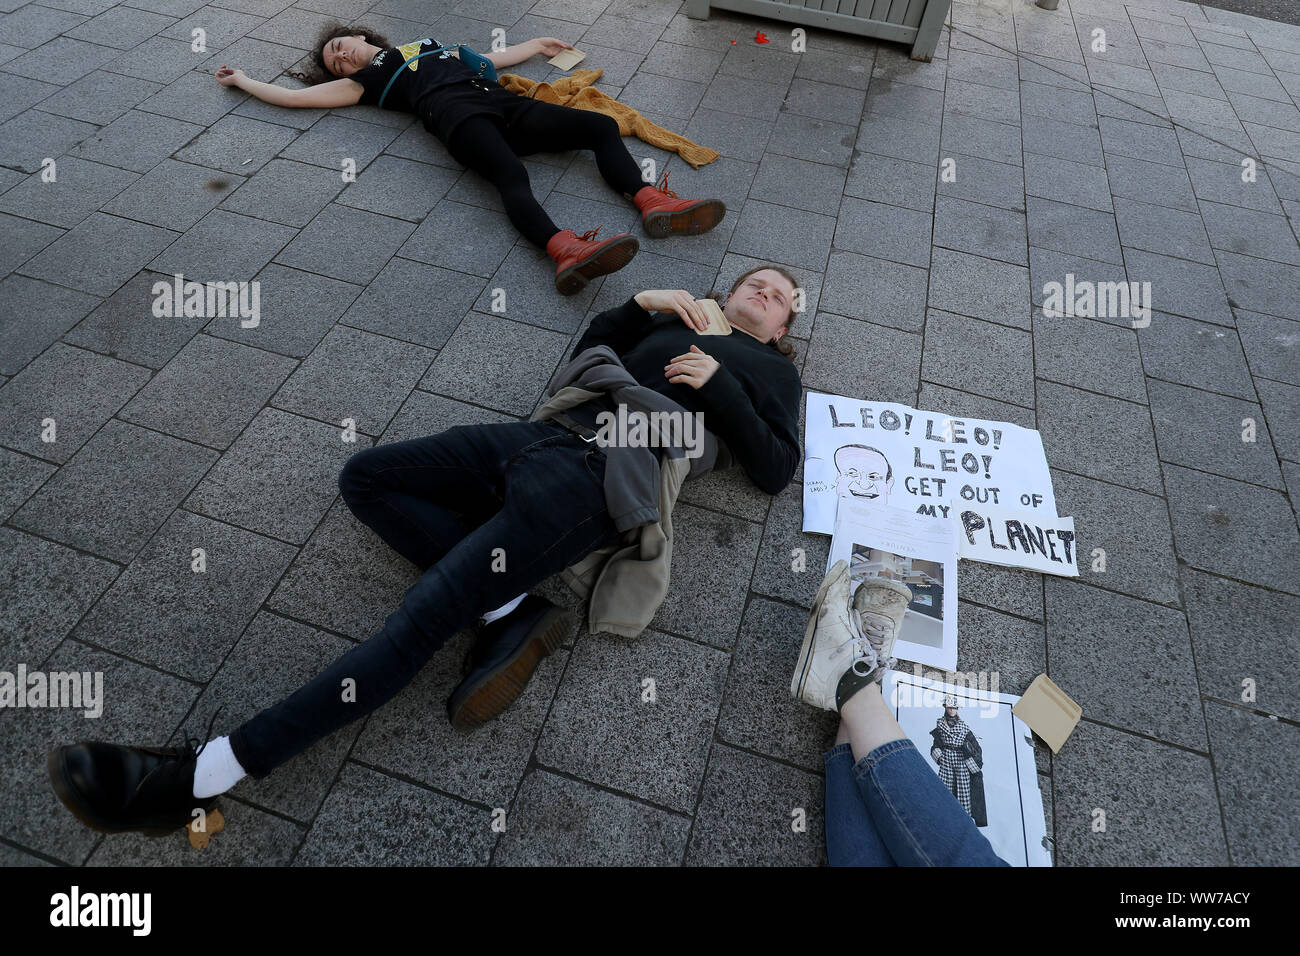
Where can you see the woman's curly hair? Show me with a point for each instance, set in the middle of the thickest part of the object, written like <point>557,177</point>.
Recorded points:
<point>783,344</point>
<point>318,72</point>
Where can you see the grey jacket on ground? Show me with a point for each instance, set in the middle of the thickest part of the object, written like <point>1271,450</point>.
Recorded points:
<point>627,581</point>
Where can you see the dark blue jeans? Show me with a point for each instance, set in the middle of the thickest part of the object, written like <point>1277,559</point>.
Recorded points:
<point>485,512</point>
<point>891,809</point>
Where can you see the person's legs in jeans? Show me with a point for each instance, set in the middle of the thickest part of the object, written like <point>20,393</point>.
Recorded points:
<point>851,837</point>
<point>917,818</point>
<point>552,514</point>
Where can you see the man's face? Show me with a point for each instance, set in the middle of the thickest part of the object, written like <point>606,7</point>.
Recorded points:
<point>862,475</point>
<point>761,305</point>
<point>950,711</point>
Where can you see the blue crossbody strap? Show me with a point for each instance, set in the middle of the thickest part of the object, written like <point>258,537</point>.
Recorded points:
<point>476,62</point>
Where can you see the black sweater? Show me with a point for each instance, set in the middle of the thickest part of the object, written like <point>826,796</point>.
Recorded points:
<point>751,402</point>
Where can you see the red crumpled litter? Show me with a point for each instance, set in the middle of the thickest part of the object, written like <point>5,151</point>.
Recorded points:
<point>760,38</point>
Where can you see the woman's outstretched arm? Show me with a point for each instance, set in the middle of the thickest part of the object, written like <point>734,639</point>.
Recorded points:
<point>546,46</point>
<point>341,92</point>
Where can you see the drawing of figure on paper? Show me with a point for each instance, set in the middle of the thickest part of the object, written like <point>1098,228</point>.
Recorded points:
<point>864,474</point>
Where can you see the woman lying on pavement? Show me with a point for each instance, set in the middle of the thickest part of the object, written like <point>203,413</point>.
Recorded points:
<point>486,128</point>
<point>487,512</point>
<point>884,805</point>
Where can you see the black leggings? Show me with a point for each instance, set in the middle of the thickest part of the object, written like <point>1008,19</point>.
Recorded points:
<point>492,149</point>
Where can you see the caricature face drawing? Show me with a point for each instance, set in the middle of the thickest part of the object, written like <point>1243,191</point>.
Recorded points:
<point>864,473</point>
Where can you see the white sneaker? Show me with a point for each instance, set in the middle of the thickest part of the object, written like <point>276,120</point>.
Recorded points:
<point>839,656</point>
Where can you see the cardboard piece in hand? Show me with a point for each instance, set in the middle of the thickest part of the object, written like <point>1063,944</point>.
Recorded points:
<point>718,324</point>
<point>567,59</point>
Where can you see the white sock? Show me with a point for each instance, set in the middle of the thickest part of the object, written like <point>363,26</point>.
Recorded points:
<point>503,610</point>
<point>217,770</point>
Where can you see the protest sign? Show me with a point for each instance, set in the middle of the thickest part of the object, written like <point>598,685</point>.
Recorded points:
<point>1019,539</point>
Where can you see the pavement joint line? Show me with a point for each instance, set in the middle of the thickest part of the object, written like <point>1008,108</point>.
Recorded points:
<point>1147,737</point>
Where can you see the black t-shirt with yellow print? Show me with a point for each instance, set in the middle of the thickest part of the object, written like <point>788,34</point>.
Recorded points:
<point>440,89</point>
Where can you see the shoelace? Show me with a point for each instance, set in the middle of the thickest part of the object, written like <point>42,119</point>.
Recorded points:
<point>192,743</point>
<point>663,187</point>
<point>590,235</point>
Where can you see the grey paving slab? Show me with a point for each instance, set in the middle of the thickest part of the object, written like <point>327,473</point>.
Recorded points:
<point>1197,354</point>
<point>196,97</point>
<point>405,825</point>
<point>341,545</point>
<point>1007,649</point>
<point>1160,804</point>
<point>982,181</point>
<point>670,720</point>
<point>20,476</point>
<point>1259,285</point>
<point>556,821</point>
<point>20,92</point>
<point>63,57</point>
<point>1232,528</point>
<point>1222,183</point>
<point>209,392</point>
<point>30,26</point>
<point>1181,287</point>
<point>81,188</point>
<point>116,491</point>
<point>980,230</point>
<point>285,192</point>
<point>1172,232</point>
<point>470,365</point>
<point>1074,230</point>
<point>1272,346</point>
<point>32,315</point>
<point>1096,356</point>
<point>464,238</point>
<point>706,606</point>
<point>123,326</point>
<point>354,375</point>
<point>1254,757</point>
<point>1098,436</point>
<point>902,137</point>
<point>897,181</point>
<point>158,59</point>
<point>328,245</point>
<point>1057,102</point>
<point>137,140</point>
<point>296,310</point>
<point>885,363</point>
<point>746,814</point>
<point>1044,136</point>
<point>393,304</point>
<point>1077,184</point>
<point>979,287</point>
<point>61,399</point>
<point>278,478</point>
<point>139,704</point>
<point>1156,693</point>
<point>36,615</point>
<point>983,138</point>
<point>529,284</point>
<point>995,71</point>
<point>883,232</point>
<point>882,292</point>
<point>888,98</point>
<point>979,356</point>
<point>173,195</point>
<point>731,134</point>
<point>758,714</point>
<point>776,571</point>
<point>1281,405</point>
<point>163,611</point>
<point>1249,232</point>
<point>100,254</point>
<point>99,97</point>
<point>812,187</point>
<point>1242,637</point>
<point>1210,432</point>
<point>250,837</point>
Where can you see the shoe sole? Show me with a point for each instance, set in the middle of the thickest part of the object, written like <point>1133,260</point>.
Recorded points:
<point>73,800</point>
<point>691,221</point>
<point>609,259</point>
<point>502,686</point>
<point>800,678</point>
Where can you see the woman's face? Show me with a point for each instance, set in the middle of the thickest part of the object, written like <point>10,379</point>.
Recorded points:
<point>345,55</point>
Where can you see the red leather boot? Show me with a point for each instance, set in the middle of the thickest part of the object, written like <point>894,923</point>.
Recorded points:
<point>579,259</point>
<point>666,215</point>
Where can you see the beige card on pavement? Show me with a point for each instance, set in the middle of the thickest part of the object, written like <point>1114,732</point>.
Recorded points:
<point>1048,711</point>
<point>567,59</point>
<point>718,324</point>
